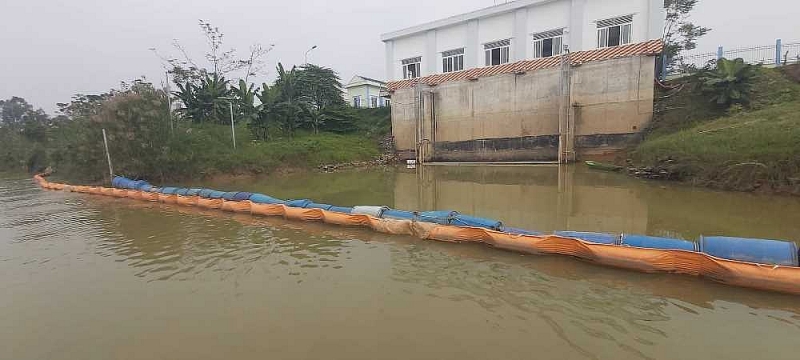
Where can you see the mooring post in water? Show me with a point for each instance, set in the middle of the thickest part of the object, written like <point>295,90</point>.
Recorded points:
<point>108,155</point>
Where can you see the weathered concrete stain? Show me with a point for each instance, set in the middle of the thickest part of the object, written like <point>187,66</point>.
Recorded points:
<point>515,116</point>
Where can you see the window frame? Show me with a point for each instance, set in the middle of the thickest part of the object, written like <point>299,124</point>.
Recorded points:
<point>413,62</point>
<point>556,37</point>
<point>503,48</point>
<point>357,101</point>
<point>373,101</point>
<point>453,60</point>
<point>625,25</point>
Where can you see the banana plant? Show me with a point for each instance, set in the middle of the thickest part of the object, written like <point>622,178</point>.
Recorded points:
<point>730,82</point>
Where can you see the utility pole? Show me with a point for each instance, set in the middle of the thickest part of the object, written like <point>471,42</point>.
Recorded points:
<point>233,128</point>
<point>169,106</point>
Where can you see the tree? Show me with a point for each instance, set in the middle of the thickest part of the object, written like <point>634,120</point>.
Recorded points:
<point>206,101</point>
<point>222,62</point>
<point>13,111</point>
<point>679,33</point>
<point>730,82</point>
<point>284,102</point>
<point>83,105</point>
<point>246,110</point>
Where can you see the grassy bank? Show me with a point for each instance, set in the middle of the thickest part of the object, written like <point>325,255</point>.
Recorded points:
<point>744,149</point>
<point>76,154</point>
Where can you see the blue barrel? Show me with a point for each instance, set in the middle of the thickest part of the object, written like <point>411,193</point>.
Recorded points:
<point>298,203</point>
<point>228,195</point>
<point>193,192</point>
<point>340,209</point>
<point>169,190</point>
<point>216,194</point>
<point>122,182</point>
<point>138,184</point>
<point>439,217</point>
<point>205,193</point>
<point>773,252</point>
<point>398,214</point>
<point>147,188</point>
<point>652,242</point>
<point>265,199</point>
<point>517,231</point>
<point>182,191</point>
<point>593,237</point>
<point>318,206</point>
<point>472,221</point>
<point>242,196</point>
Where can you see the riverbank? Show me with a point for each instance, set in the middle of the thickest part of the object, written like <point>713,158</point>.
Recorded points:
<point>148,147</point>
<point>742,149</point>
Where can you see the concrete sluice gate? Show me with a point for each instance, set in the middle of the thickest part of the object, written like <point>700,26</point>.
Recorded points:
<point>754,263</point>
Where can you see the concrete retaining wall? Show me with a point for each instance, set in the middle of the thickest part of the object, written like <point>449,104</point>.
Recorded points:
<point>515,116</point>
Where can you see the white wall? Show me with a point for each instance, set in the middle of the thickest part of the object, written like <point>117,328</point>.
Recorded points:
<point>546,17</point>
<point>408,47</point>
<point>604,9</point>
<point>452,37</point>
<point>577,16</point>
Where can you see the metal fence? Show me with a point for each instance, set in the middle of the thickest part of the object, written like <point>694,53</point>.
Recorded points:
<point>770,55</point>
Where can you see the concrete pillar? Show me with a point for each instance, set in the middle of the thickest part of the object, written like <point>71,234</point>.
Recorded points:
<point>431,58</point>
<point>472,51</point>
<point>720,53</point>
<point>778,46</point>
<point>390,68</point>
<point>577,24</point>
<point>520,41</point>
<point>656,17</point>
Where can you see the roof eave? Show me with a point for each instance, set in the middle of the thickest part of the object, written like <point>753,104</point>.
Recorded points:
<point>462,18</point>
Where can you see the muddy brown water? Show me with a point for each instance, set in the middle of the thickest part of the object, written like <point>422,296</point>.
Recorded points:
<point>90,277</point>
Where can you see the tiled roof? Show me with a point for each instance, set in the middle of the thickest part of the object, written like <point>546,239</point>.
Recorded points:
<point>652,47</point>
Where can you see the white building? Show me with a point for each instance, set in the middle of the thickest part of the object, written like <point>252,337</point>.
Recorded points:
<point>519,30</point>
<point>363,92</point>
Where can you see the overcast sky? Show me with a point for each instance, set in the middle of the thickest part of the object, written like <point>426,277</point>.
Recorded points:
<point>52,49</point>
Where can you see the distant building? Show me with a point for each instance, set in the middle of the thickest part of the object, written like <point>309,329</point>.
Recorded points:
<point>519,30</point>
<point>363,92</point>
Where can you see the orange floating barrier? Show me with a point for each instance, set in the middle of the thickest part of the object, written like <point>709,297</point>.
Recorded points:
<point>779,278</point>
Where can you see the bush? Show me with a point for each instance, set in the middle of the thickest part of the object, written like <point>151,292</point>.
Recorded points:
<point>730,82</point>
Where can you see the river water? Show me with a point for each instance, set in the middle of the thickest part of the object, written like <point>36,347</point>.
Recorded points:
<point>90,277</point>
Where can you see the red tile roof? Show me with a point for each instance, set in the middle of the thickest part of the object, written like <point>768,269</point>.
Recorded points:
<point>652,47</point>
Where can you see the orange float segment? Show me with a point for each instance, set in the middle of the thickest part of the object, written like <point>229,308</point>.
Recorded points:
<point>739,273</point>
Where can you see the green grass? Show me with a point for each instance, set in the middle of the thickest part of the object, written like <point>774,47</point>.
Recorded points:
<point>742,148</point>
<point>738,152</point>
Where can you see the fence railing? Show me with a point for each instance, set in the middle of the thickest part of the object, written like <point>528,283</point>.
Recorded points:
<point>777,54</point>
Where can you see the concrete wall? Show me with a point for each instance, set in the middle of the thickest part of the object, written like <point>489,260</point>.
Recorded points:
<point>515,116</point>
<point>518,23</point>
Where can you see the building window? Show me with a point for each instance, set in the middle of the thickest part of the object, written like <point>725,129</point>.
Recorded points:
<point>453,60</point>
<point>548,43</point>
<point>411,67</point>
<point>357,101</point>
<point>497,52</point>
<point>614,32</point>
<point>373,101</point>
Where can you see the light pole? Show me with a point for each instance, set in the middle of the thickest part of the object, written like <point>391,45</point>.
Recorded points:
<point>305,57</point>
<point>233,129</point>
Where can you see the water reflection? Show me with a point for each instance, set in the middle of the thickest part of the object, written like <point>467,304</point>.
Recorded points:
<point>549,198</point>
<point>257,285</point>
